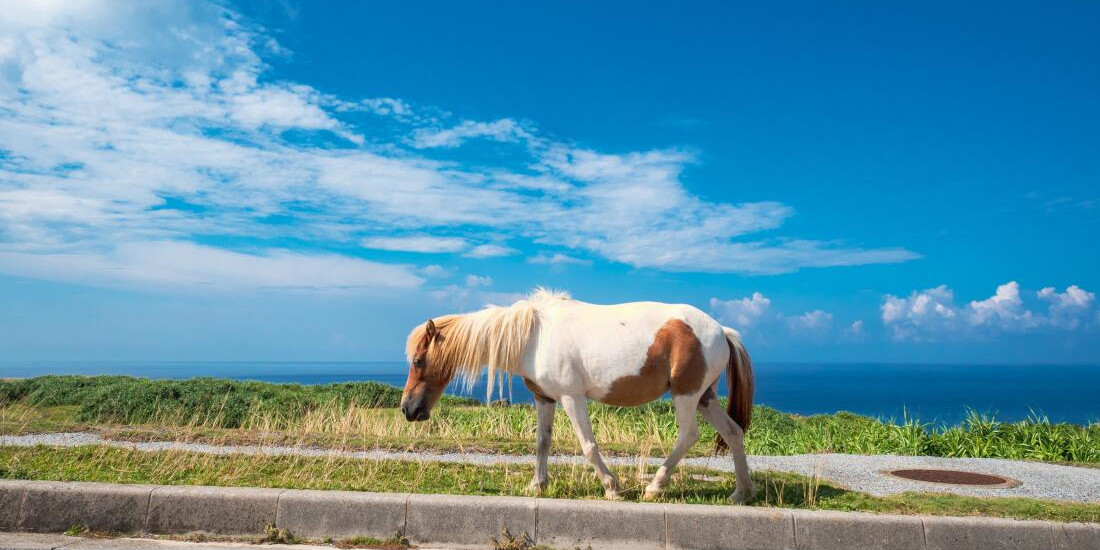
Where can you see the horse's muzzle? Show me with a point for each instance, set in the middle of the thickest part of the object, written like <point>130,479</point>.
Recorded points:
<point>414,413</point>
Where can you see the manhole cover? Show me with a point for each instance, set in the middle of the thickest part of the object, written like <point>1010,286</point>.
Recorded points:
<point>953,477</point>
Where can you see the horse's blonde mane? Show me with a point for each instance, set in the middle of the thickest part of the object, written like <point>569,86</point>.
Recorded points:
<point>493,338</point>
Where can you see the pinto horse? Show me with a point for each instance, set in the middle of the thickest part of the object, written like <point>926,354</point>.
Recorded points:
<point>569,351</point>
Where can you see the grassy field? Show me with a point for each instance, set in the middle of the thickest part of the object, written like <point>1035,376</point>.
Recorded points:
<point>197,401</point>
<point>361,415</point>
<point>112,465</point>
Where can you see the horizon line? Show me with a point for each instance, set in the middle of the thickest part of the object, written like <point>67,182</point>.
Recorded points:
<point>402,361</point>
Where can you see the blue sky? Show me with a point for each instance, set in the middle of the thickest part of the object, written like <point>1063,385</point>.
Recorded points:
<point>306,181</point>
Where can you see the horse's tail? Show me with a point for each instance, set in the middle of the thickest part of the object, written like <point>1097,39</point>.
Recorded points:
<point>740,382</point>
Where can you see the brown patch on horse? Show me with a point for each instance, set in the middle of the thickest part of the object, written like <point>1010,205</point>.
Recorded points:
<point>674,362</point>
<point>537,391</point>
<point>707,397</point>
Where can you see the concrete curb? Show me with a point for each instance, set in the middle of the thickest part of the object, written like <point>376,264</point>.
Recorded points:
<point>470,521</point>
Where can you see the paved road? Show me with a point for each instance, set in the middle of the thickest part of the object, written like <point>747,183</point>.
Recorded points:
<point>43,541</point>
<point>865,473</point>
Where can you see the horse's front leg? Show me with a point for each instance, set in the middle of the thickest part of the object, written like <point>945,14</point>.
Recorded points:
<point>544,413</point>
<point>577,410</point>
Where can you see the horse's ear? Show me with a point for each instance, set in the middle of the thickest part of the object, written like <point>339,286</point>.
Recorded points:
<point>431,330</point>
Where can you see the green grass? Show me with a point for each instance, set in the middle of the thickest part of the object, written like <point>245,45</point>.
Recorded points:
<point>76,530</point>
<point>395,542</point>
<point>361,416</point>
<point>980,436</point>
<point>111,465</point>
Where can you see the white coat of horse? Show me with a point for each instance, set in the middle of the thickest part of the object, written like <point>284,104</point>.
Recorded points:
<point>569,352</point>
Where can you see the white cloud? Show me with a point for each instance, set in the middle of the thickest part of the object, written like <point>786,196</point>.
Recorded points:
<point>744,312</point>
<point>490,251</point>
<point>557,259</point>
<point>930,311</point>
<point>856,331</point>
<point>924,316</point>
<point>289,107</point>
<point>435,271</point>
<point>756,311</point>
<point>1004,310</point>
<point>478,281</point>
<point>931,314</point>
<point>416,243</point>
<point>133,122</point>
<point>1069,309</point>
<point>816,321</point>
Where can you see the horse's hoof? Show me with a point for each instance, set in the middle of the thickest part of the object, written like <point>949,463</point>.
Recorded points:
<point>740,497</point>
<point>611,495</point>
<point>651,494</point>
<point>536,488</point>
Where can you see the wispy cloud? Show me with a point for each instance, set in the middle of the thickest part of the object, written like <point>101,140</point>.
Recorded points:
<point>557,259</point>
<point>188,265</point>
<point>417,243</point>
<point>1051,204</point>
<point>490,251</point>
<point>123,124</point>
<point>504,130</point>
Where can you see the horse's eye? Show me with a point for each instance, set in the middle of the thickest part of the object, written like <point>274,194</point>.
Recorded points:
<point>418,362</point>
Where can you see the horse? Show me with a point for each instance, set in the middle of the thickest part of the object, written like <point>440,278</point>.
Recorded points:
<point>569,352</point>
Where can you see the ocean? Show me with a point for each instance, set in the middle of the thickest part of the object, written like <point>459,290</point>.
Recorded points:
<point>939,394</point>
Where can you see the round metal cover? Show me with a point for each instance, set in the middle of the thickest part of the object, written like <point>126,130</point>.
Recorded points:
<point>952,477</point>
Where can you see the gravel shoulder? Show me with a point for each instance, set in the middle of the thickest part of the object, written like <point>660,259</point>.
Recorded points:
<point>865,473</point>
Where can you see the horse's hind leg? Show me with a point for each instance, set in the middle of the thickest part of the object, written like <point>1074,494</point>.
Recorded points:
<point>577,410</point>
<point>544,412</point>
<point>712,411</point>
<point>689,434</point>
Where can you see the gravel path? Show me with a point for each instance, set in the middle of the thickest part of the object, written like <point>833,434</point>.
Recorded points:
<point>859,472</point>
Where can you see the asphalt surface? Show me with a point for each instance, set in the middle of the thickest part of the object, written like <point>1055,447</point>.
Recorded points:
<point>47,541</point>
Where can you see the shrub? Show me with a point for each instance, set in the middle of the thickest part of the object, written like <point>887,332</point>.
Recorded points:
<point>209,401</point>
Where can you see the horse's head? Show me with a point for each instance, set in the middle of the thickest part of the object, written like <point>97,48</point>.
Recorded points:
<point>427,375</point>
